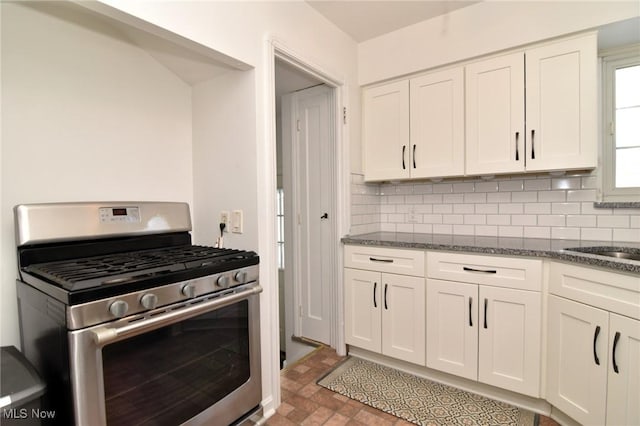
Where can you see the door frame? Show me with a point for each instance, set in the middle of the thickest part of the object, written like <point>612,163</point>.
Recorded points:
<point>267,184</point>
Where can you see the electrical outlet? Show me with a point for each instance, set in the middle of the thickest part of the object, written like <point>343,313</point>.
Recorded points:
<point>412,217</point>
<point>224,218</point>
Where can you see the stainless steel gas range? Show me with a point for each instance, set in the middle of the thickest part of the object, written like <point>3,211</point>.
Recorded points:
<point>131,324</point>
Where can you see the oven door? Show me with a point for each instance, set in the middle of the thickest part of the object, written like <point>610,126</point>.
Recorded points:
<point>192,363</point>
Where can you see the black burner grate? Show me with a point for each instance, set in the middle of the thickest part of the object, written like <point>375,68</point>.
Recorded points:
<point>130,266</point>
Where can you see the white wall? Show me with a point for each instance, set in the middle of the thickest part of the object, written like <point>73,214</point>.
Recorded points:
<point>483,28</point>
<point>85,116</point>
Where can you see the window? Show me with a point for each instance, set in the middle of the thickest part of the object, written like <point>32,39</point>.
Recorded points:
<point>280,226</point>
<point>621,142</point>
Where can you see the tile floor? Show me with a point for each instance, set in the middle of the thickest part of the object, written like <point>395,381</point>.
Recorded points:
<point>306,403</point>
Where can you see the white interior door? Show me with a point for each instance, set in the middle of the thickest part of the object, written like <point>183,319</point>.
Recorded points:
<point>313,198</point>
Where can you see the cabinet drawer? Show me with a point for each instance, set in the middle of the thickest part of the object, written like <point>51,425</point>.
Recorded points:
<point>615,292</point>
<point>384,259</point>
<point>525,274</point>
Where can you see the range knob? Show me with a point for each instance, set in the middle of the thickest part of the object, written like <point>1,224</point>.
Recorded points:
<point>241,276</point>
<point>118,308</point>
<point>189,290</point>
<point>223,281</point>
<point>149,301</point>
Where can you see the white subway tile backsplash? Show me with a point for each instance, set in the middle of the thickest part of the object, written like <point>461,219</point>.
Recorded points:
<point>537,185</point>
<point>464,209</point>
<point>495,219</point>
<point>524,219</point>
<point>511,231</point>
<point>486,186</point>
<point>487,230</point>
<point>520,206</point>
<point>551,220</point>
<point>475,219</point>
<point>511,185</point>
<point>487,208</point>
<point>443,208</point>
<point>499,197</point>
<point>596,234</point>
<point>581,195</point>
<point>457,219</point>
<point>613,221</point>
<point>453,198</point>
<point>566,183</point>
<point>537,208</point>
<point>581,221</point>
<point>524,197</point>
<point>565,233</point>
<point>442,229</point>
<point>442,188</point>
<point>537,232</point>
<point>632,235</point>
<point>552,196</point>
<point>565,208</point>
<point>475,197</point>
<point>511,208</point>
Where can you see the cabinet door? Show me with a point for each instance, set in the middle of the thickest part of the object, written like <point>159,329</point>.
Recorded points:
<point>577,359</point>
<point>386,131</point>
<point>362,309</point>
<point>562,105</point>
<point>437,124</point>
<point>495,115</point>
<point>509,339</point>
<point>452,327</point>
<point>403,317</point>
<point>623,396</point>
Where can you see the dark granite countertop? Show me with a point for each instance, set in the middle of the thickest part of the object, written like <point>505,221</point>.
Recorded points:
<point>531,247</point>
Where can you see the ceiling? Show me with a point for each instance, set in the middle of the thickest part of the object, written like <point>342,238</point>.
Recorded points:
<point>364,19</point>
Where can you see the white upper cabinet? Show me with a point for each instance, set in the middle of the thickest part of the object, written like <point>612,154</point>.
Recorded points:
<point>437,124</point>
<point>562,105</point>
<point>558,130</point>
<point>386,131</point>
<point>415,128</point>
<point>495,115</point>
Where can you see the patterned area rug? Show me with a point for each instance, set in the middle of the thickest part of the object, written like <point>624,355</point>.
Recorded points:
<point>419,400</point>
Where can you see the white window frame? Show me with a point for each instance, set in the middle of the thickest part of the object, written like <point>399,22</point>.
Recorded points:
<point>612,60</point>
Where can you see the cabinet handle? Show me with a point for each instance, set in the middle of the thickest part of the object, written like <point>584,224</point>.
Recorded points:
<point>470,319</point>
<point>533,149</point>
<point>613,352</point>
<point>485,271</point>
<point>517,153</point>
<point>375,286</point>
<point>373,259</point>
<point>486,302</point>
<point>385,296</point>
<point>595,340</point>
<point>404,148</point>
<point>414,156</point>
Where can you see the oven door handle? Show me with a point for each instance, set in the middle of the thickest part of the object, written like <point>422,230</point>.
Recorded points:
<point>104,335</point>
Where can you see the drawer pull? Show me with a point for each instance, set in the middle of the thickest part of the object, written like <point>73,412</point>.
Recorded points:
<point>375,286</point>
<point>613,352</point>
<point>470,319</point>
<point>373,259</point>
<point>484,271</point>
<point>595,340</point>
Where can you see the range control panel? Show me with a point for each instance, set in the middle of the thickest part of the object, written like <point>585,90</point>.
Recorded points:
<point>119,214</point>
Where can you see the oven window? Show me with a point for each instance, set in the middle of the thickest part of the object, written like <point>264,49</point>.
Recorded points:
<point>167,376</point>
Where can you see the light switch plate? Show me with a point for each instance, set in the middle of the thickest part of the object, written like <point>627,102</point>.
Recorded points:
<point>236,221</point>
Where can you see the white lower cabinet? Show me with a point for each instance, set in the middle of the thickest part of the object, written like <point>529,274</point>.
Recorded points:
<point>385,313</point>
<point>593,360</point>
<point>485,333</point>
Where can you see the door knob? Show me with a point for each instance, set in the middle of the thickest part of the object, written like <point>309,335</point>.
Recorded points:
<point>325,216</point>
